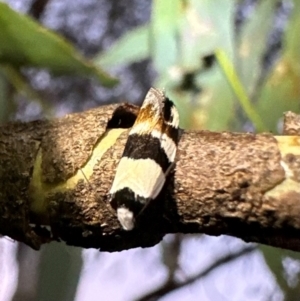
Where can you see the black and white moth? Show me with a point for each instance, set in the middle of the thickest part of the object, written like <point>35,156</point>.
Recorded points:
<point>147,158</point>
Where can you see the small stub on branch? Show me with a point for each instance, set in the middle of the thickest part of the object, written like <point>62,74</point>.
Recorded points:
<point>291,124</point>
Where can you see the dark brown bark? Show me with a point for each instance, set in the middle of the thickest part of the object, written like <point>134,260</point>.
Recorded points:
<point>59,172</point>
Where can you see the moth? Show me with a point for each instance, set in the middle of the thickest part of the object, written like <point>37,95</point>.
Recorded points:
<point>148,156</point>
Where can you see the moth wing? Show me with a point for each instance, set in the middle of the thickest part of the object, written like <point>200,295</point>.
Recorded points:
<point>144,177</point>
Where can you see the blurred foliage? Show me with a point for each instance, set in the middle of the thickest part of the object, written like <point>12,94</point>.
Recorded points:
<point>59,272</point>
<point>281,91</point>
<point>40,47</point>
<point>215,74</point>
<point>183,35</point>
<point>274,258</point>
<point>25,43</point>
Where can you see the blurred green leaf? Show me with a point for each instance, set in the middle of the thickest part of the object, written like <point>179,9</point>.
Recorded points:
<point>252,45</point>
<point>282,91</point>
<point>273,258</point>
<point>164,32</point>
<point>59,272</point>
<point>292,41</point>
<point>130,48</point>
<point>239,90</point>
<point>182,33</point>
<point>23,42</point>
<point>217,100</point>
<point>200,33</point>
<point>207,108</point>
<point>214,27</point>
<point>19,82</point>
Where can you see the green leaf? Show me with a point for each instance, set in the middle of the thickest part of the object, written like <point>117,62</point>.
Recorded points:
<point>217,100</point>
<point>211,108</point>
<point>19,82</point>
<point>240,91</point>
<point>252,44</point>
<point>164,29</point>
<point>273,257</point>
<point>212,25</point>
<point>282,92</point>
<point>131,47</point>
<point>292,40</point>
<point>59,273</point>
<point>23,42</point>
<point>199,35</point>
<point>202,27</point>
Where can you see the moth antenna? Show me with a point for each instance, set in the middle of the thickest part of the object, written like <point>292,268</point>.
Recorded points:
<point>86,178</point>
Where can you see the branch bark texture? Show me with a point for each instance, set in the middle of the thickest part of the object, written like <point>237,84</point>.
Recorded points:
<point>59,173</point>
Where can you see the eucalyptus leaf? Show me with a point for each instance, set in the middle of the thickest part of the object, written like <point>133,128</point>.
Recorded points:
<point>281,91</point>
<point>164,33</point>
<point>253,43</point>
<point>24,42</point>
<point>273,258</point>
<point>132,47</point>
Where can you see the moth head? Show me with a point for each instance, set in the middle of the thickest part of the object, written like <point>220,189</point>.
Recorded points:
<point>170,113</point>
<point>126,218</point>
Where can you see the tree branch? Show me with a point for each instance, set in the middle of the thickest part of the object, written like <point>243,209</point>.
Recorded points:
<point>59,173</point>
<point>171,286</point>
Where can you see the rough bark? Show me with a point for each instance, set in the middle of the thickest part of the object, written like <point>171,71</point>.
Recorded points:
<point>59,173</point>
